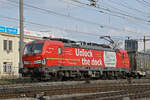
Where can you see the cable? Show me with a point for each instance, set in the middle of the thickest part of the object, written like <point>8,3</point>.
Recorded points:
<point>100,11</point>
<point>143,3</point>
<point>67,30</point>
<point>103,12</point>
<point>3,20</point>
<point>111,11</point>
<point>59,14</point>
<point>124,4</point>
<point>71,3</point>
<point>10,3</point>
<point>146,2</point>
<point>77,19</point>
<point>38,24</point>
<point>107,5</point>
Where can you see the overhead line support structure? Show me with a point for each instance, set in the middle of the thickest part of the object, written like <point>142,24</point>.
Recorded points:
<point>144,43</point>
<point>21,39</point>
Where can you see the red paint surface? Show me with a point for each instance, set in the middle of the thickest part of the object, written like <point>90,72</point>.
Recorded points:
<point>72,56</point>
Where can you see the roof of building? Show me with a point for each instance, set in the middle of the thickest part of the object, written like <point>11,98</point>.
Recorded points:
<point>17,35</point>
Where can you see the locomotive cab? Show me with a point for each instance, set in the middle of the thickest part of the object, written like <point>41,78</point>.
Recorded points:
<point>33,54</point>
<point>39,56</point>
<point>32,57</point>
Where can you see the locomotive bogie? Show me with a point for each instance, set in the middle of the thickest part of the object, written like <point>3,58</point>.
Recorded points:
<point>80,74</point>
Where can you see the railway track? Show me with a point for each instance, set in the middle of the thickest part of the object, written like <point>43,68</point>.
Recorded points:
<point>93,92</point>
<point>27,82</point>
<point>82,91</point>
<point>133,94</point>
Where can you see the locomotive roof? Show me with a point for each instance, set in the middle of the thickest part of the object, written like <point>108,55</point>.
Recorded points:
<point>82,44</point>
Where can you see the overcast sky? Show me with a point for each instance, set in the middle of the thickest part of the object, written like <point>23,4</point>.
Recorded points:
<point>75,20</point>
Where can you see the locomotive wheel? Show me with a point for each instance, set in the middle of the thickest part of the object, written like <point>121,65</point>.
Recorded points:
<point>34,79</point>
<point>77,78</point>
<point>60,76</point>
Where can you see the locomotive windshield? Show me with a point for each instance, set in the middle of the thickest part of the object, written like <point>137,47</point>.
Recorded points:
<point>33,48</point>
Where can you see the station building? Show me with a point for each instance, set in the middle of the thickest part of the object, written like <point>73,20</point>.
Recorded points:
<point>9,53</point>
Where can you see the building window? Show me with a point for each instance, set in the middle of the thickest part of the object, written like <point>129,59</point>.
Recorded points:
<point>7,67</point>
<point>4,67</point>
<point>10,45</point>
<point>7,45</point>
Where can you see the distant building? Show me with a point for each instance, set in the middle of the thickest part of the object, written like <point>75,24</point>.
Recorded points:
<point>131,45</point>
<point>9,53</point>
<point>143,60</point>
<point>139,61</point>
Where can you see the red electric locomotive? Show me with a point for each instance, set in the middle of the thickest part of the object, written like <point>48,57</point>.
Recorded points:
<point>66,59</point>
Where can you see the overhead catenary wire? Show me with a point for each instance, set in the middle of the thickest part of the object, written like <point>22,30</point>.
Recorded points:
<point>56,13</point>
<point>116,12</point>
<point>48,26</point>
<point>106,9</point>
<point>74,18</point>
<point>116,29</point>
<point>8,20</point>
<point>103,12</point>
<point>108,6</point>
<point>9,3</point>
<point>143,3</point>
<point>125,5</point>
<point>62,29</point>
<point>146,2</point>
<point>96,10</point>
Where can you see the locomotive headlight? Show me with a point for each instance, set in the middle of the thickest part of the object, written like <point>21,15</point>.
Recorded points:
<point>43,61</point>
<point>37,61</point>
<point>26,62</point>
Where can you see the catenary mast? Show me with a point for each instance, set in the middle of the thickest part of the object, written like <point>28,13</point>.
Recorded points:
<point>21,41</point>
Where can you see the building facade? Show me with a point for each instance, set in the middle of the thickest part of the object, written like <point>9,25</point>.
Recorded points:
<point>9,54</point>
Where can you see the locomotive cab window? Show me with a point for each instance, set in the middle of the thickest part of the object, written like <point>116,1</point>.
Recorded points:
<point>59,50</point>
<point>33,48</point>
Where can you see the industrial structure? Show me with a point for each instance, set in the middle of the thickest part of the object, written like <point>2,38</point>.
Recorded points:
<point>139,60</point>
<point>131,45</point>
